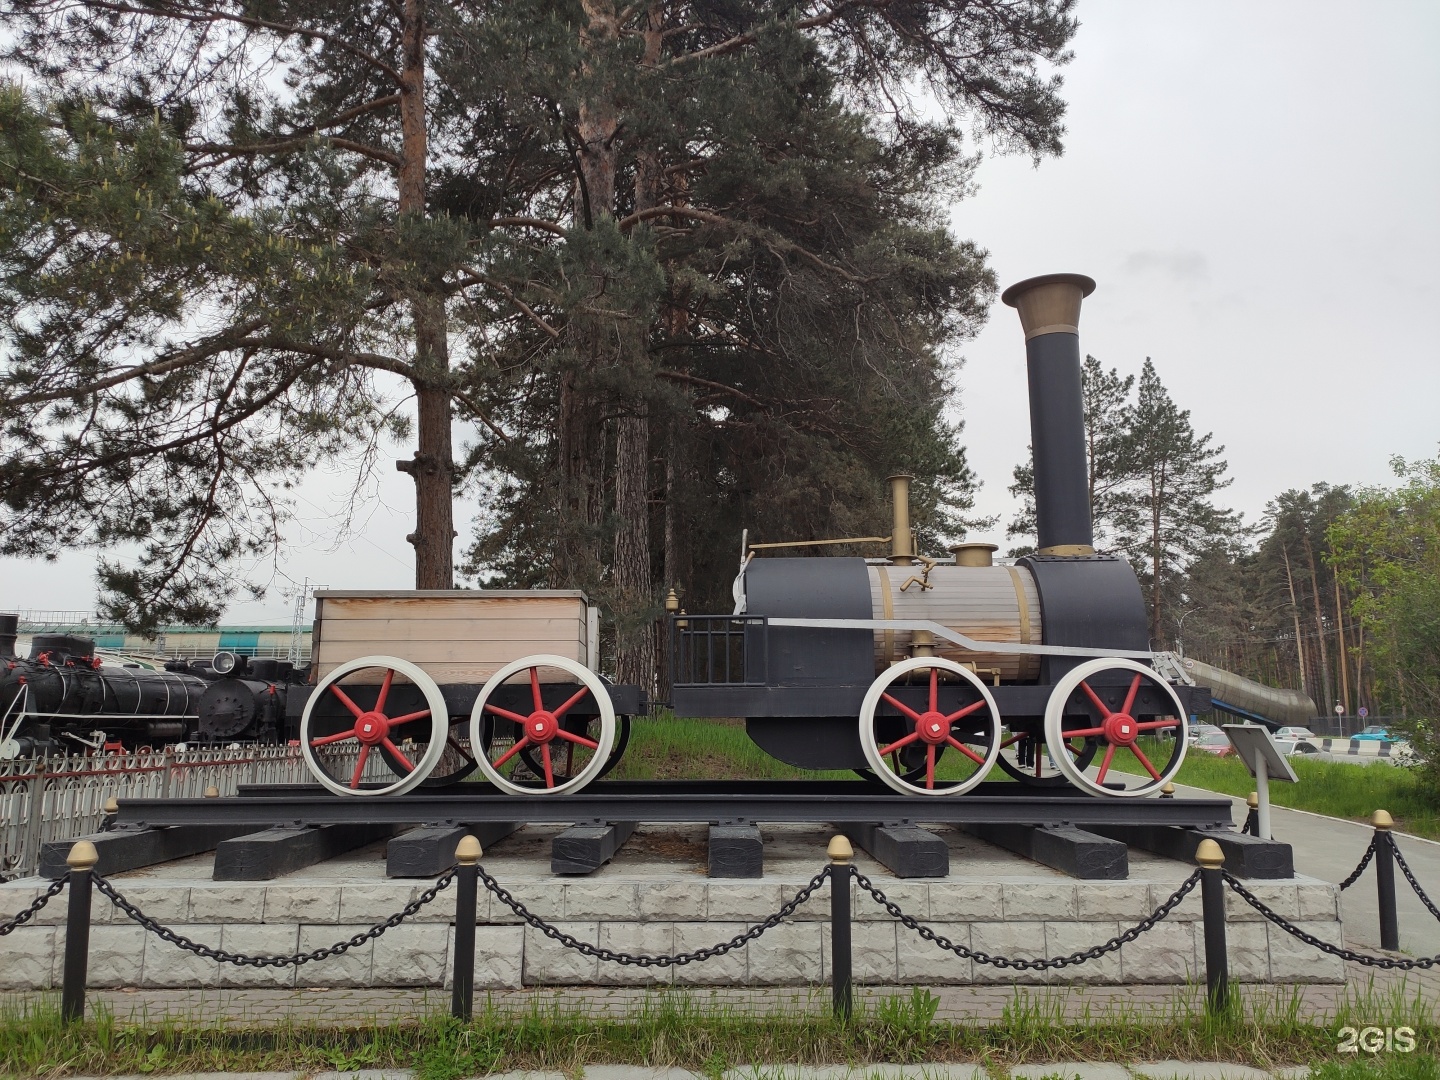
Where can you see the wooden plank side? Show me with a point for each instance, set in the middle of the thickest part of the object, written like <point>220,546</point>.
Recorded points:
<point>424,653</point>
<point>459,606</point>
<point>474,630</point>
<point>444,673</point>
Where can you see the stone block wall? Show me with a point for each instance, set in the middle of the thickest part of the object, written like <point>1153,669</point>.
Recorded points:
<point>1003,918</point>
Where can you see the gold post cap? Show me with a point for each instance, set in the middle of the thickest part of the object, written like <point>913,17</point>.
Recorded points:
<point>468,850</point>
<point>839,849</point>
<point>1252,800</point>
<point>83,856</point>
<point>212,792</point>
<point>112,805</point>
<point>1209,855</point>
<point>1382,820</point>
<point>672,602</point>
<point>1167,788</point>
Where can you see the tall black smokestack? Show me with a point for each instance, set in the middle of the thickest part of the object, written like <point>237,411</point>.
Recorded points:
<point>9,624</point>
<point>1049,309</point>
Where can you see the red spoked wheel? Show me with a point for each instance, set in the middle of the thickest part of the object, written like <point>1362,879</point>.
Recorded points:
<point>568,732</point>
<point>371,719</point>
<point>904,731</point>
<point>1116,702</point>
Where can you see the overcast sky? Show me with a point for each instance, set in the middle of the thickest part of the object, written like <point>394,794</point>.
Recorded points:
<point>1255,186</point>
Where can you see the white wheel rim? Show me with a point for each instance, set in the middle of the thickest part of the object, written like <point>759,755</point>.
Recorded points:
<point>870,745</point>
<point>1055,733</point>
<point>439,725</point>
<point>604,743</point>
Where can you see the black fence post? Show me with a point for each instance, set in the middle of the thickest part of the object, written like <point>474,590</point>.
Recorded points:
<point>840,853</point>
<point>81,860</point>
<point>1212,908</point>
<point>1252,817</point>
<point>467,875</point>
<point>1385,880</point>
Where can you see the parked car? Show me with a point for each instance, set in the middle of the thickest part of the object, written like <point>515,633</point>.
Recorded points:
<point>1374,731</point>
<point>1198,730</point>
<point>1294,733</point>
<point>1214,742</point>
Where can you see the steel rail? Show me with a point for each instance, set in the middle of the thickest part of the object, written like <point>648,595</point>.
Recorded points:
<point>747,807</point>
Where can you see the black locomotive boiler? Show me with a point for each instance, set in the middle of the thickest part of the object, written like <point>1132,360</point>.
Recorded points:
<point>927,672</point>
<point>63,698</point>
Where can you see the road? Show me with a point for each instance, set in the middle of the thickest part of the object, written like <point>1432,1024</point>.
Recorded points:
<point>1328,848</point>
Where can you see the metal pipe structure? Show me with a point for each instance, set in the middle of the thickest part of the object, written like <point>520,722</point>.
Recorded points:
<point>1049,308</point>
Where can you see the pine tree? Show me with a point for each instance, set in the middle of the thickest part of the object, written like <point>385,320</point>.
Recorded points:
<point>1166,518</point>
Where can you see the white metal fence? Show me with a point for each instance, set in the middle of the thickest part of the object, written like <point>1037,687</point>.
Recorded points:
<point>57,798</point>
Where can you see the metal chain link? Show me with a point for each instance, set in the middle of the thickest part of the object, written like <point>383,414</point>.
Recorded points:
<point>35,905</point>
<point>1364,862</point>
<point>1324,946</point>
<point>241,960</point>
<point>1094,953</point>
<point>1410,877</point>
<point>677,960</point>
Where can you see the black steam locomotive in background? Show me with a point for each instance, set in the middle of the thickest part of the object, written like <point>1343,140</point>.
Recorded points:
<point>63,698</point>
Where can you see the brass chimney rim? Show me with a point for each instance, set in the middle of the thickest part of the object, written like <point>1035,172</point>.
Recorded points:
<point>1011,295</point>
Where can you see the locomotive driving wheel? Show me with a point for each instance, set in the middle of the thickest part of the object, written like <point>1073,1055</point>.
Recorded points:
<point>375,709</point>
<point>898,723</point>
<point>1116,702</point>
<point>568,747</point>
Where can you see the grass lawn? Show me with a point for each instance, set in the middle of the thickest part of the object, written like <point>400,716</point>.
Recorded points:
<point>1325,787</point>
<point>676,1030</point>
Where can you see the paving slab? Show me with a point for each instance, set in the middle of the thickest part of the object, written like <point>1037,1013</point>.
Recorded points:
<point>1198,1070</point>
<point>875,1071</point>
<point>637,1072</point>
<point>1072,1070</point>
<point>361,1074</point>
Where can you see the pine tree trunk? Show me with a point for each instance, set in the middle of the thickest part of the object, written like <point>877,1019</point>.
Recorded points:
<point>1295,612</point>
<point>1340,639</point>
<point>1319,624</point>
<point>433,466</point>
<point>635,639</point>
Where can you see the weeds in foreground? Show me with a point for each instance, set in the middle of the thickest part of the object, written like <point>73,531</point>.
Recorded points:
<point>1261,1028</point>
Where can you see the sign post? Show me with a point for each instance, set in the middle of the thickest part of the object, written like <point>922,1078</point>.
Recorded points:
<point>1263,759</point>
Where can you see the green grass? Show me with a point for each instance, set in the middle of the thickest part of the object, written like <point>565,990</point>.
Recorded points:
<point>665,747</point>
<point>675,1029</point>
<point>1325,787</point>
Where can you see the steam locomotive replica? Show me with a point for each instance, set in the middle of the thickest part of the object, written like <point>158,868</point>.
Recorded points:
<point>63,698</point>
<point>921,673</point>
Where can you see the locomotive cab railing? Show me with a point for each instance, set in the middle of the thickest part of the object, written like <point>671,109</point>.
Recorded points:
<point>718,650</point>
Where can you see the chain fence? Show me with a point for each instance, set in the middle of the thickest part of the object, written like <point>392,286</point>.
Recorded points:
<point>1364,862</point>
<point>293,960</point>
<point>20,919</point>
<point>644,960</point>
<point>839,874</point>
<point>1020,964</point>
